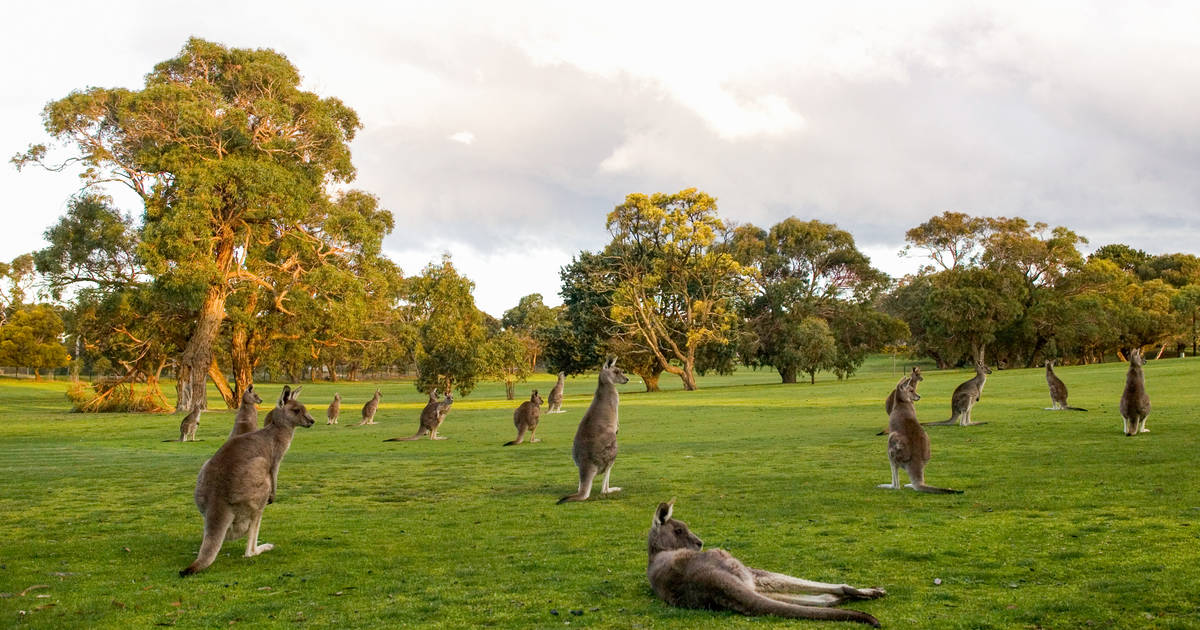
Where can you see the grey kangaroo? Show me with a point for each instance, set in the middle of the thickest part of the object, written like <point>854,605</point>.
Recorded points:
<point>526,417</point>
<point>908,443</point>
<point>1135,402</point>
<point>595,447</point>
<point>432,417</point>
<point>335,409</point>
<point>1058,390</point>
<point>965,396</point>
<point>683,575</point>
<point>246,419</point>
<point>187,426</point>
<point>369,409</point>
<point>239,480</point>
<point>556,395</point>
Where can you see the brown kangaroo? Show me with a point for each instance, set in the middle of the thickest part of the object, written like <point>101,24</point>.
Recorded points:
<point>1058,390</point>
<point>239,480</point>
<point>1135,402</point>
<point>432,417</point>
<point>187,426</point>
<point>369,409</point>
<point>683,575</point>
<point>287,394</point>
<point>335,409</point>
<point>908,443</point>
<point>246,419</point>
<point>595,447</point>
<point>965,396</point>
<point>556,395</point>
<point>526,417</point>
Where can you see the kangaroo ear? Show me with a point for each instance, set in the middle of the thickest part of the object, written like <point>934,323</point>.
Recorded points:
<point>296,392</point>
<point>663,513</point>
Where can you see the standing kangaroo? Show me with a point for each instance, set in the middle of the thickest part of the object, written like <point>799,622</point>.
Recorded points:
<point>1135,402</point>
<point>965,396</point>
<point>246,419</point>
<point>187,426</point>
<point>335,408</point>
<point>239,480</point>
<point>526,417</point>
<point>432,417</point>
<point>284,396</point>
<point>369,409</point>
<point>1058,390</point>
<point>556,395</point>
<point>683,575</point>
<point>908,443</point>
<point>595,447</point>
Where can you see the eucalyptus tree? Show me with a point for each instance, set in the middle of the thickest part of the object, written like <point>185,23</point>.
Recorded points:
<point>230,159</point>
<point>450,332</point>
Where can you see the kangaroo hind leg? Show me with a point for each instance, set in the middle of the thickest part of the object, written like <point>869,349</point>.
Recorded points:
<point>769,582</point>
<point>736,595</point>
<point>604,487</point>
<point>587,474</point>
<point>252,546</point>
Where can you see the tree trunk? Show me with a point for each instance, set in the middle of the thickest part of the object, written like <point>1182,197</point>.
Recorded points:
<point>510,389</point>
<point>333,377</point>
<point>689,379</point>
<point>218,379</point>
<point>243,365</point>
<point>787,374</point>
<point>196,358</point>
<point>812,378</point>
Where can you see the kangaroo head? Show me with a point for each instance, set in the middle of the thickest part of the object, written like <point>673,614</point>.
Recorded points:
<point>1136,357</point>
<point>536,398</point>
<point>611,374</point>
<point>1049,363</point>
<point>250,396</point>
<point>295,414</point>
<point>915,377</point>
<point>982,368</point>
<point>906,390</point>
<point>378,394</point>
<point>337,396</point>
<point>668,534</point>
<point>434,395</point>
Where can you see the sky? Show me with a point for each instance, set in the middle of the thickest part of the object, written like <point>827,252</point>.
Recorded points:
<point>503,133</point>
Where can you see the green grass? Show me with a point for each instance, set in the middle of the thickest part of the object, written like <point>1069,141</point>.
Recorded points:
<point>1065,522</point>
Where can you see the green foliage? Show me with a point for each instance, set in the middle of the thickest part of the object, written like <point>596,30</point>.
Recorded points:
<point>450,331</point>
<point>1123,256</point>
<point>506,359</point>
<point>531,320</point>
<point>32,338</point>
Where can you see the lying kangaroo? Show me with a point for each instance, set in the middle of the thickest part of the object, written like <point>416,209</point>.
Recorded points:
<point>595,447</point>
<point>1135,403</point>
<point>1058,390</point>
<point>964,398</point>
<point>683,575</point>
<point>369,409</point>
<point>335,408</point>
<point>239,480</point>
<point>187,426</point>
<point>526,417</point>
<point>246,419</point>
<point>556,395</point>
<point>908,443</point>
<point>284,396</point>
<point>432,417</point>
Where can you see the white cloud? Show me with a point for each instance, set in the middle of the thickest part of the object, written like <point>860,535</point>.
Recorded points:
<point>464,137</point>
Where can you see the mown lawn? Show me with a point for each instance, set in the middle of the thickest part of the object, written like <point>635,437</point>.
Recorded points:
<point>1065,522</point>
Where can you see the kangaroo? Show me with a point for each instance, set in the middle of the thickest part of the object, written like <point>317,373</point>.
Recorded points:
<point>187,426</point>
<point>683,575</point>
<point>556,395</point>
<point>335,408</point>
<point>526,417</point>
<point>287,394</point>
<point>369,409</point>
<point>908,443</point>
<point>432,417</point>
<point>1135,403</point>
<point>913,377</point>
<point>1058,390</point>
<point>246,419</point>
<point>595,447</point>
<point>239,480</point>
<point>965,396</point>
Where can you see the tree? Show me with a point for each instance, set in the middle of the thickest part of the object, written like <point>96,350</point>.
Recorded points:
<point>32,338</point>
<point>1122,255</point>
<point>815,348</point>
<point>506,359</point>
<point>1187,302</point>
<point>675,290</point>
<point>529,320</point>
<point>16,281</point>
<point>229,157</point>
<point>951,240</point>
<point>451,335</point>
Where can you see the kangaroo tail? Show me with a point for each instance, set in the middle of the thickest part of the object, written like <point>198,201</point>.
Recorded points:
<point>410,438</point>
<point>883,432</point>
<point>943,423</point>
<point>1076,409</point>
<point>936,490</point>
<point>215,526</point>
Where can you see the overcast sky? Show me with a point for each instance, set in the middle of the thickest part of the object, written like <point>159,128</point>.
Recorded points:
<point>504,132</point>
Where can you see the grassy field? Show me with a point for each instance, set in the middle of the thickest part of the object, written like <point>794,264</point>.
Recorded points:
<point>1065,522</point>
